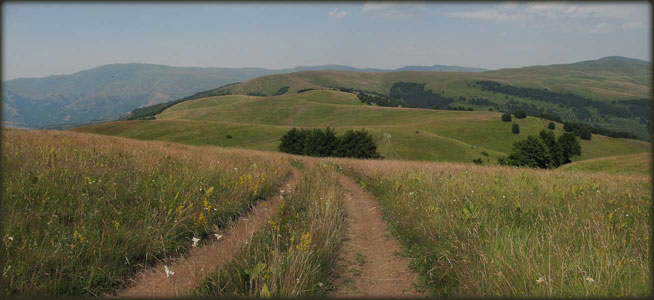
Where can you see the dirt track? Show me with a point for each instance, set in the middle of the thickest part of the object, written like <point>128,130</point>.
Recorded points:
<point>369,264</point>
<point>191,268</point>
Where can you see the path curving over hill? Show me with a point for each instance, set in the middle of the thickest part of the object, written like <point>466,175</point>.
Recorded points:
<point>369,264</point>
<point>190,269</point>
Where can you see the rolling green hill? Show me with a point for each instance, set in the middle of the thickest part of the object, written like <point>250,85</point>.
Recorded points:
<point>616,90</point>
<point>401,133</point>
<point>109,91</point>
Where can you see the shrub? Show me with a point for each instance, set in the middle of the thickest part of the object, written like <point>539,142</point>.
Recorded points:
<point>544,151</point>
<point>316,142</point>
<point>477,161</point>
<point>484,153</point>
<point>506,117</point>
<point>551,125</point>
<point>358,144</point>
<point>515,128</point>
<point>281,91</point>
<point>293,141</point>
<point>520,114</point>
<point>320,143</point>
<point>584,133</point>
<point>229,136</point>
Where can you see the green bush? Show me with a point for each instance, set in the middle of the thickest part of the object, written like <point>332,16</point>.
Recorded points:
<point>316,142</point>
<point>551,126</point>
<point>544,151</point>
<point>520,114</point>
<point>506,117</point>
<point>515,128</point>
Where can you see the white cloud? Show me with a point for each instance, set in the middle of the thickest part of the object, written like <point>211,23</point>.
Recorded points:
<point>336,13</point>
<point>596,18</point>
<point>393,9</point>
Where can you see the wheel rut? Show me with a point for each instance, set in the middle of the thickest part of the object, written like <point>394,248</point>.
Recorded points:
<point>369,264</point>
<point>191,268</point>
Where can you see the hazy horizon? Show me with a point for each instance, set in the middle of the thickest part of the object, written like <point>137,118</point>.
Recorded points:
<point>42,39</point>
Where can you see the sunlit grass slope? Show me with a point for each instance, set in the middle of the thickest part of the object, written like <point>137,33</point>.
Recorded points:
<point>401,133</point>
<point>82,213</point>
<point>620,164</point>
<point>477,231</point>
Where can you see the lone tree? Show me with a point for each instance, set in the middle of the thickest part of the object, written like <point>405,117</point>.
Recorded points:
<point>520,114</point>
<point>551,125</point>
<point>515,128</point>
<point>506,117</point>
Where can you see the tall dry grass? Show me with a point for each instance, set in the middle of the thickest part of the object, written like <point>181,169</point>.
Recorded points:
<point>293,255</point>
<point>82,213</point>
<point>477,231</point>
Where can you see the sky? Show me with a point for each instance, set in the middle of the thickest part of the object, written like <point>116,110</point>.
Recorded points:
<point>41,39</point>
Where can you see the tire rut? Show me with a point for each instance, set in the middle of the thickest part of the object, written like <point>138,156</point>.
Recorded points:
<point>191,268</point>
<point>369,264</point>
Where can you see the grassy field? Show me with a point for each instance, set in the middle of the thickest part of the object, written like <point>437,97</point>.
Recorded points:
<point>401,133</point>
<point>475,231</point>
<point>82,213</point>
<point>294,254</point>
<point>621,164</point>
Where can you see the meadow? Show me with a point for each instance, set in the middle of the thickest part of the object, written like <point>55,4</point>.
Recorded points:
<point>293,255</point>
<point>401,133</point>
<point>476,231</point>
<point>82,213</point>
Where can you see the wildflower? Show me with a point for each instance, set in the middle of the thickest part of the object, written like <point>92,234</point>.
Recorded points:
<point>281,191</point>
<point>218,236</point>
<point>297,280</point>
<point>195,241</point>
<point>410,193</point>
<point>540,280</point>
<point>11,238</point>
<point>591,280</point>
<point>320,284</point>
<point>235,169</point>
<point>169,273</point>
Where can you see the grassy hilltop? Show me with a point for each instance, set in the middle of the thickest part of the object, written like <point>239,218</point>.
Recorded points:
<point>401,133</point>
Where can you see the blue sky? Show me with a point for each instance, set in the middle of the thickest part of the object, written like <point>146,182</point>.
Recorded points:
<point>40,39</point>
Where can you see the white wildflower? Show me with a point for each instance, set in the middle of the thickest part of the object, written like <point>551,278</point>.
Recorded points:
<point>11,238</point>
<point>591,280</point>
<point>540,280</point>
<point>169,273</point>
<point>218,236</point>
<point>195,241</point>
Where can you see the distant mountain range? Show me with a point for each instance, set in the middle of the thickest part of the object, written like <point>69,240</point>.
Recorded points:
<point>109,91</point>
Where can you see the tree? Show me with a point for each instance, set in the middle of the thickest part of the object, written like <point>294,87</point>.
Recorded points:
<point>531,152</point>
<point>551,125</point>
<point>320,143</point>
<point>569,146</point>
<point>520,114</point>
<point>584,133</point>
<point>553,148</point>
<point>515,128</point>
<point>477,161</point>
<point>293,141</point>
<point>358,144</point>
<point>506,117</point>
